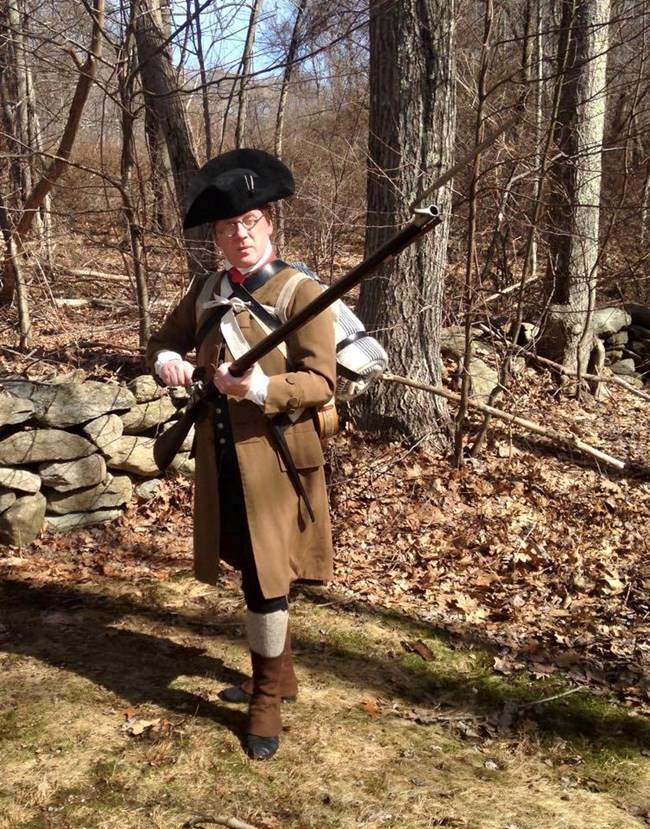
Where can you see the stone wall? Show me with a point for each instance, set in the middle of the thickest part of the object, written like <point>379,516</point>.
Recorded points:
<point>624,332</point>
<point>626,336</point>
<point>73,454</point>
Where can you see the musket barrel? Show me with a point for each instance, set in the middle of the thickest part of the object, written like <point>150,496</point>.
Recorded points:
<point>425,219</point>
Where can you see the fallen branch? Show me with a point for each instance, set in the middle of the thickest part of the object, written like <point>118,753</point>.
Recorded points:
<point>522,705</point>
<point>61,302</point>
<point>510,289</point>
<point>232,822</point>
<point>106,346</point>
<point>96,276</point>
<point>564,439</point>
<point>596,377</point>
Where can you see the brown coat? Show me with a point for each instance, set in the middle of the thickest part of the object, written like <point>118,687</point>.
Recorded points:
<point>287,545</point>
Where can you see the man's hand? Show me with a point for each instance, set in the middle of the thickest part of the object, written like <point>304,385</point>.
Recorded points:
<point>233,386</point>
<point>177,373</point>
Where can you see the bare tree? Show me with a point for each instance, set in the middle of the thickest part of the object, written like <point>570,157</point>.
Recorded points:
<point>162,98</point>
<point>205,98</point>
<point>161,95</point>
<point>282,104</point>
<point>246,66</point>
<point>54,170</point>
<point>126,83</point>
<point>412,118</point>
<point>574,215</point>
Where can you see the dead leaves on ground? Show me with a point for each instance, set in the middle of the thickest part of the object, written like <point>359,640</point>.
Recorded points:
<point>162,734</point>
<point>541,555</point>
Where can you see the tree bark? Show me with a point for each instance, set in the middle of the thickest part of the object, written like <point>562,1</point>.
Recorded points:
<point>127,163</point>
<point>246,67</point>
<point>412,125</point>
<point>282,103</point>
<point>164,102</point>
<point>574,215</point>
<point>472,221</point>
<point>162,98</point>
<point>205,90</point>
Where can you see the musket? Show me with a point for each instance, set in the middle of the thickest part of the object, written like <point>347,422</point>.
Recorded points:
<point>169,442</point>
<point>424,219</point>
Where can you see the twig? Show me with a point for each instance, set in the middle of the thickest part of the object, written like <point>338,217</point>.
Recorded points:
<point>335,602</point>
<point>96,276</point>
<point>550,699</point>
<point>566,439</point>
<point>83,302</point>
<point>232,822</point>
<point>597,377</point>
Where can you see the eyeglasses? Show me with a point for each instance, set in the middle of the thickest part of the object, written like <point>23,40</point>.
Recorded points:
<point>229,229</point>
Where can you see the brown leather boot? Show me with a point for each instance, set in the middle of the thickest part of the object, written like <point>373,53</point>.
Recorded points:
<point>288,682</point>
<point>264,720</point>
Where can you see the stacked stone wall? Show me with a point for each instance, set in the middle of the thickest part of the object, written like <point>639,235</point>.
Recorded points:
<point>74,454</point>
<point>626,336</point>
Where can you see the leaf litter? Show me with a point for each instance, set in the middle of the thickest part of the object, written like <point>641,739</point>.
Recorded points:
<point>537,554</point>
<point>544,556</point>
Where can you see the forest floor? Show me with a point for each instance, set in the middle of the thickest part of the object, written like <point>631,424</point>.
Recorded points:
<point>481,660</point>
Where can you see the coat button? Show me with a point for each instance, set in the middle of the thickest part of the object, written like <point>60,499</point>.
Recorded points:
<point>217,411</point>
<point>219,425</point>
<point>222,441</point>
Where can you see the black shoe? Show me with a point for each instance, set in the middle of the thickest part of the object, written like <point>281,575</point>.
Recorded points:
<point>235,694</point>
<point>261,748</point>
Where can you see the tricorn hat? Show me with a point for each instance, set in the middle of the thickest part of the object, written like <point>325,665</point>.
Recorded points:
<point>235,182</point>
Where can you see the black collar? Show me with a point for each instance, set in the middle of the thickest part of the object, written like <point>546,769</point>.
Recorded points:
<point>257,278</point>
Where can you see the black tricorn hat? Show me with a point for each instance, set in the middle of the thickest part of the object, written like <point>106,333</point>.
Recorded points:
<point>235,182</point>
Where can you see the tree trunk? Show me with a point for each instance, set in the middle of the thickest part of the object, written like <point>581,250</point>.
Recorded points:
<point>162,98</point>
<point>282,103</point>
<point>12,179</point>
<point>127,163</point>
<point>164,102</point>
<point>574,215</point>
<point>205,90</point>
<point>160,216</point>
<point>472,222</point>
<point>44,216</point>
<point>412,124</point>
<point>13,270</point>
<point>246,67</point>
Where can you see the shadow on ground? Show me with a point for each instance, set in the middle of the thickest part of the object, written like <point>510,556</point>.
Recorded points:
<point>140,667</point>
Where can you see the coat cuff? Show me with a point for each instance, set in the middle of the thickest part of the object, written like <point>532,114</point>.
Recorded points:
<point>165,357</point>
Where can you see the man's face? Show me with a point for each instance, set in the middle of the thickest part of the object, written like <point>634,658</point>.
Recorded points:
<point>244,239</point>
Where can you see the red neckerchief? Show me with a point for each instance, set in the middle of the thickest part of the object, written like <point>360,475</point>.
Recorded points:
<point>238,277</point>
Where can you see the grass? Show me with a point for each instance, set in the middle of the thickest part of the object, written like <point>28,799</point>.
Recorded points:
<point>378,738</point>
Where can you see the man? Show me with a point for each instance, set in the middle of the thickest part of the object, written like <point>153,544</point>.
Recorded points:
<point>262,510</point>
